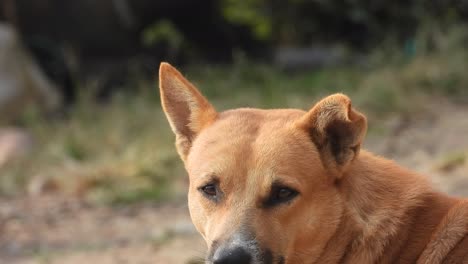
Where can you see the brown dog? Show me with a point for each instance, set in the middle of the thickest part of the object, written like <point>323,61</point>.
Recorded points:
<point>288,186</point>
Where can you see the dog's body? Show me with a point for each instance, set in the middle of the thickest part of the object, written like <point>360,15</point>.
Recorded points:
<point>288,186</point>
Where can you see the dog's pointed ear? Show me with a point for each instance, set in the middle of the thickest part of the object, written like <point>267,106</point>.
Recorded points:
<point>337,130</point>
<point>185,107</point>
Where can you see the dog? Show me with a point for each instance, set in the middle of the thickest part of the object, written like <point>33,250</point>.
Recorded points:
<point>287,186</point>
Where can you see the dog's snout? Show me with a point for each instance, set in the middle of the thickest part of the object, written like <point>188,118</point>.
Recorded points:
<point>237,255</point>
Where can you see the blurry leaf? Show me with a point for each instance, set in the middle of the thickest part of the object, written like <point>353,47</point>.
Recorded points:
<point>162,31</point>
<point>249,13</point>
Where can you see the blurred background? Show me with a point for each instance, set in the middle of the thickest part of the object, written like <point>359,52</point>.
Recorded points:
<point>88,169</point>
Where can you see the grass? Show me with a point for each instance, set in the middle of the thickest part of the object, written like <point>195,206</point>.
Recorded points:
<point>115,153</point>
<point>123,152</point>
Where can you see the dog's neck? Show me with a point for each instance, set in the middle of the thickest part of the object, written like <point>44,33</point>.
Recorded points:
<point>378,196</point>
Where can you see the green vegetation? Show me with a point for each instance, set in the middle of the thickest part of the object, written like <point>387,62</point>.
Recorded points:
<point>123,151</point>
<point>108,153</point>
<point>357,23</point>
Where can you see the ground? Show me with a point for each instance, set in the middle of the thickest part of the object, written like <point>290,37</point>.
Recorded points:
<point>67,230</point>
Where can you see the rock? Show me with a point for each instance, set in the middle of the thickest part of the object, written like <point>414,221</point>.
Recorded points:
<point>295,58</point>
<point>21,80</point>
<point>14,143</point>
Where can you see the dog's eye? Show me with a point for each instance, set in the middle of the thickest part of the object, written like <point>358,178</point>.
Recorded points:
<point>280,195</point>
<point>209,190</point>
<point>285,193</point>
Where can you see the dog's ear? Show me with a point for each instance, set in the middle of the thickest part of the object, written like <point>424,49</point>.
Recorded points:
<point>185,107</point>
<point>337,130</point>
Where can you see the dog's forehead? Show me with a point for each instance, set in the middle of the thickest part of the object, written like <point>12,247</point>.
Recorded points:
<point>245,136</point>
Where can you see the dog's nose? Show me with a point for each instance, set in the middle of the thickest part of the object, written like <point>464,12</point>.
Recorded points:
<point>236,255</point>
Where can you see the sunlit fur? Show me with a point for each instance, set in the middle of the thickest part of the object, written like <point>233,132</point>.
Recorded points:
<point>352,207</point>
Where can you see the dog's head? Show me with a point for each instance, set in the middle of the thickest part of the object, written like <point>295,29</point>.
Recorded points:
<point>263,183</point>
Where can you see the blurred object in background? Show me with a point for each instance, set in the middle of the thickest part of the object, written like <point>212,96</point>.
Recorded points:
<point>113,44</point>
<point>106,41</point>
<point>14,144</point>
<point>22,81</point>
<point>294,58</point>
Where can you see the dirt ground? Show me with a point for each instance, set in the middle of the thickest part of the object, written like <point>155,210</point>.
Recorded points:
<point>57,229</point>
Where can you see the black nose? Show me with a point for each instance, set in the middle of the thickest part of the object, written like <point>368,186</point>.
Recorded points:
<point>236,255</point>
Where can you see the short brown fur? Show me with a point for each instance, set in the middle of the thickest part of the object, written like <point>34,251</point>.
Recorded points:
<point>352,206</point>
